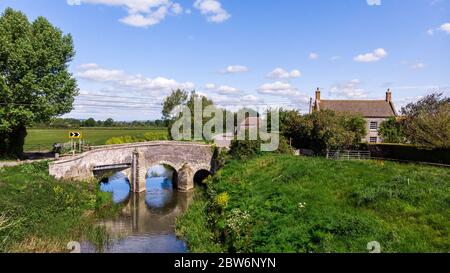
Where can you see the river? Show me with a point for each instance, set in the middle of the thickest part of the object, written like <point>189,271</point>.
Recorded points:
<point>146,223</point>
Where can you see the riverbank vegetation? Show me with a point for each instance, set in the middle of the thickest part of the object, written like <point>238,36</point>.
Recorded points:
<point>40,214</point>
<point>283,203</point>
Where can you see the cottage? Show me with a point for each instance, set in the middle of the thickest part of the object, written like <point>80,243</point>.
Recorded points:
<point>374,111</point>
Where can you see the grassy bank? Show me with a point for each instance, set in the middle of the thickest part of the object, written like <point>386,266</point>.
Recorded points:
<point>39,214</point>
<point>279,203</point>
<point>94,136</point>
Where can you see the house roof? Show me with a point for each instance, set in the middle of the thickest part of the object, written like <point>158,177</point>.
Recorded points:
<point>366,108</point>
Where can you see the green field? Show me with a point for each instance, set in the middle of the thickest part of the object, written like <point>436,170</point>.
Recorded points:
<point>45,138</point>
<point>280,203</point>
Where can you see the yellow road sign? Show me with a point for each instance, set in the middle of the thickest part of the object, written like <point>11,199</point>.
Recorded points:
<point>75,135</point>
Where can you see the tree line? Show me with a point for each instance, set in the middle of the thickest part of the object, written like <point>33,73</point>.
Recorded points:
<point>108,123</point>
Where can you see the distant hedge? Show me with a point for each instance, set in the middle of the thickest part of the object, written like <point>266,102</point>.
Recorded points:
<point>410,153</point>
<point>152,136</point>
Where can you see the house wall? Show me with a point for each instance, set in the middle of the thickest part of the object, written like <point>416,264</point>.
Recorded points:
<point>373,133</point>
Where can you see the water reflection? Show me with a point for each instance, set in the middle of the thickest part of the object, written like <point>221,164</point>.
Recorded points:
<point>119,185</point>
<point>146,223</point>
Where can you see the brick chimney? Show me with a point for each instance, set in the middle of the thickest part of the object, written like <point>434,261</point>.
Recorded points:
<point>318,94</point>
<point>388,95</point>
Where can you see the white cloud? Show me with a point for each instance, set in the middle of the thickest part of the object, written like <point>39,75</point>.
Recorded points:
<point>227,90</point>
<point>279,89</point>
<point>313,56</point>
<point>141,13</point>
<point>374,2</point>
<point>213,10</point>
<point>135,82</point>
<point>88,66</point>
<point>350,90</point>
<point>280,73</point>
<point>223,89</point>
<point>234,69</point>
<point>374,56</point>
<point>177,9</point>
<point>418,66</point>
<point>250,98</point>
<point>445,27</point>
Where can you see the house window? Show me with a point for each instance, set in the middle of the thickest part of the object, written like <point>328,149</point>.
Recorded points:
<point>373,140</point>
<point>373,125</point>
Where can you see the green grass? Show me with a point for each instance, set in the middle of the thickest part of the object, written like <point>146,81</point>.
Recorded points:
<point>94,136</point>
<point>40,214</point>
<point>280,203</point>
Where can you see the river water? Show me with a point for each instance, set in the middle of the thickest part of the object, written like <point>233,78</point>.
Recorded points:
<point>146,223</point>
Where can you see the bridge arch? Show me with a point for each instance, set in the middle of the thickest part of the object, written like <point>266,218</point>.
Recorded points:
<point>186,158</point>
<point>200,175</point>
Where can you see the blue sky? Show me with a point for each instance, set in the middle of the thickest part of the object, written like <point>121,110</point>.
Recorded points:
<point>131,53</point>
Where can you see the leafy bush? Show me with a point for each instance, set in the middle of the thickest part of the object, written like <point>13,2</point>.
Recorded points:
<point>241,149</point>
<point>392,131</point>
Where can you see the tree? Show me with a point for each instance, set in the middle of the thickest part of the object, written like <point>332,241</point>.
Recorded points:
<point>181,98</point>
<point>109,122</point>
<point>90,122</point>
<point>427,122</point>
<point>176,98</point>
<point>322,130</point>
<point>391,131</point>
<point>296,128</point>
<point>35,84</point>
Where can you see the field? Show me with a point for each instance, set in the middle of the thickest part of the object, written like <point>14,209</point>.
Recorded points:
<point>280,203</point>
<point>39,139</point>
<point>40,214</point>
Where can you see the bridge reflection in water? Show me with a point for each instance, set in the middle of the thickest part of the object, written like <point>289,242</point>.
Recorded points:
<point>146,222</point>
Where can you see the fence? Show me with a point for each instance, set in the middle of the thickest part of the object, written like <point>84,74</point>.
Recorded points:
<point>349,155</point>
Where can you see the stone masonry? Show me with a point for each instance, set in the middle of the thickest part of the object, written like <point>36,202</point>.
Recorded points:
<point>186,158</point>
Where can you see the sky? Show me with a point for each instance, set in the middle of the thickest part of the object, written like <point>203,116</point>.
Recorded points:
<point>130,54</point>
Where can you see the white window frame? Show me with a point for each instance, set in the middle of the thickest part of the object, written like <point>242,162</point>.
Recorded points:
<point>371,138</point>
<point>376,125</point>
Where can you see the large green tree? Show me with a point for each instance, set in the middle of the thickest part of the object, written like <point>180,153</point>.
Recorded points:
<point>322,130</point>
<point>427,121</point>
<point>35,84</point>
<point>183,98</point>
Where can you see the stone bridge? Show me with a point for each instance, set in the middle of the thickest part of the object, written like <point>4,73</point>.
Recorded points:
<point>186,158</point>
